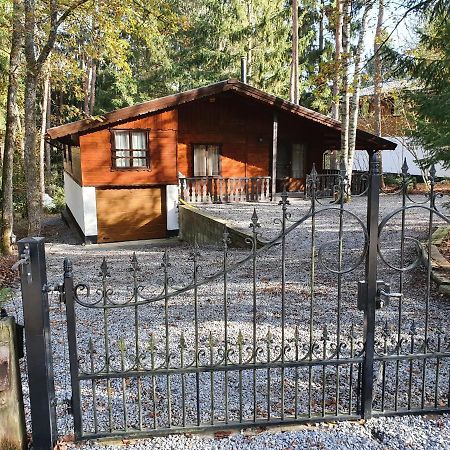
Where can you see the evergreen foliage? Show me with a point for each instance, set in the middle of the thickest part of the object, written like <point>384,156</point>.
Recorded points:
<point>429,66</point>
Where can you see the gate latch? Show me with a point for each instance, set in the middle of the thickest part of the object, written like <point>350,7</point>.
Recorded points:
<point>59,288</point>
<point>382,296</point>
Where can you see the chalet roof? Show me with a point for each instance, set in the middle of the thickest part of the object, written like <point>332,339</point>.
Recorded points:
<point>389,86</point>
<point>70,130</point>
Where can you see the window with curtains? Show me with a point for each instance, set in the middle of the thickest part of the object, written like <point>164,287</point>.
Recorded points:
<point>130,149</point>
<point>298,160</point>
<point>206,160</point>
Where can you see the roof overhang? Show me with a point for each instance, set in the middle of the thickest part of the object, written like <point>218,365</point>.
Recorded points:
<point>70,132</point>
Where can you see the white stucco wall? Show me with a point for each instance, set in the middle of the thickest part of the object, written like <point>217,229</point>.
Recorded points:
<point>82,204</point>
<point>172,206</point>
<point>393,159</point>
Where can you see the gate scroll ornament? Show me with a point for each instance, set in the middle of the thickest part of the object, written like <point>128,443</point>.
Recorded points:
<point>149,377</point>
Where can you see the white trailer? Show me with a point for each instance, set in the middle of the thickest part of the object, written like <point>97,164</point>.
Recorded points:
<point>393,159</point>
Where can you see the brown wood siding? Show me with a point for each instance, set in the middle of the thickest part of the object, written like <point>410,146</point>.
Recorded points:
<point>391,124</point>
<point>96,154</point>
<point>242,128</point>
<point>130,214</point>
<point>74,168</point>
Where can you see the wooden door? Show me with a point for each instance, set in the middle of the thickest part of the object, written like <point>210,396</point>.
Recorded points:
<point>130,214</point>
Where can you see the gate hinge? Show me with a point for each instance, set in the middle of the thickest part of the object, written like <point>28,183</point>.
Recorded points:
<point>24,262</point>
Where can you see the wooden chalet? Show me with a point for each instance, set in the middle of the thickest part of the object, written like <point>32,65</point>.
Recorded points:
<point>228,141</point>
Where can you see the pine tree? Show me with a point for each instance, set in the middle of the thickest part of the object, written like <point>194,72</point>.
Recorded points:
<point>429,66</point>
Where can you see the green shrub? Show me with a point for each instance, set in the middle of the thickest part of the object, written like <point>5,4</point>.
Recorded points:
<point>392,180</point>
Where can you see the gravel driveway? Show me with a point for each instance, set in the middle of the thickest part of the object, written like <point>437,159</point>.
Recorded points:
<point>330,302</point>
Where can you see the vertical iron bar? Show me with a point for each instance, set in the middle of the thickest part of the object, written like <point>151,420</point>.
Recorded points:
<point>383,382</point>
<point>93,386</point>
<point>324,367</point>
<point>284,203</point>
<point>166,265</point>
<point>73,350</point>
<point>225,318</point>
<point>352,354</point>
<point>427,300</point>
<point>240,343</point>
<point>314,181</point>
<point>152,348</point>
<point>211,362</point>
<point>197,375</point>
<point>104,273</point>
<point>401,279</point>
<point>438,361</point>
<point>448,390</point>
<point>269,339</point>
<point>183,380</point>
<point>124,385</point>
<point>38,344</point>
<point>411,361</point>
<point>135,268</point>
<point>343,192</point>
<point>371,284</point>
<point>254,225</point>
<point>296,373</point>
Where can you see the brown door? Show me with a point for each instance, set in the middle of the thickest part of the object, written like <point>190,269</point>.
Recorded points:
<point>130,214</point>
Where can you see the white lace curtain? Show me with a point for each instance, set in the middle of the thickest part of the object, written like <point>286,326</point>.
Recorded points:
<point>124,150</point>
<point>206,160</point>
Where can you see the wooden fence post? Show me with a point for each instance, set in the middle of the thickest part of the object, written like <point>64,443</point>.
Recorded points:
<point>12,417</point>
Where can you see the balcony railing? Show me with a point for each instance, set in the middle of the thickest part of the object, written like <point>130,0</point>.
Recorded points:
<point>225,190</point>
<point>327,184</point>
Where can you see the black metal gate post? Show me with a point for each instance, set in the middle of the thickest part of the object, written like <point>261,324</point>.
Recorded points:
<point>370,287</point>
<point>72,342</point>
<point>37,339</point>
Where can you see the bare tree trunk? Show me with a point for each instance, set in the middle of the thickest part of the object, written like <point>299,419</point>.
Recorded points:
<point>354,101</point>
<point>377,78</point>
<point>294,63</point>
<point>345,97</point>
<point>31,159</point>
<point>92,90</point>
<point>34,64</point>
<point>321,27</point>
<point>12,121</point>
<point>87,70</point>
<point>42,134</point>
<point>250,19</point>
<point>337,60</point>
<point>20,140</point>
<point>48,162</point>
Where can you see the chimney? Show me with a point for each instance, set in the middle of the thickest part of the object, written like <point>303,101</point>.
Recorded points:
<point>244,69</point>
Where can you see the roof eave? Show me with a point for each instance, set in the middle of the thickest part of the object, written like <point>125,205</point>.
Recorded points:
<point>135,111</point>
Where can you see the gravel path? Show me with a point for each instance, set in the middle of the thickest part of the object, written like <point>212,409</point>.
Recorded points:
<point>334,307</point>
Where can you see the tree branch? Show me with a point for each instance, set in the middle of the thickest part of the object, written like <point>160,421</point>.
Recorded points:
<point>405,14</point>
<point>55,23</point>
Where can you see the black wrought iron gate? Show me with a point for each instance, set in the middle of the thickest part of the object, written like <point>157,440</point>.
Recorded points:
<point>251,338</point>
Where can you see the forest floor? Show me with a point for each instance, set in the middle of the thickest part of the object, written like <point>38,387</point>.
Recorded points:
<point>428,432</point>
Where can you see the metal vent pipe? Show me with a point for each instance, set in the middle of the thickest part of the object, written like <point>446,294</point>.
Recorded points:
<point>243,69</point>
